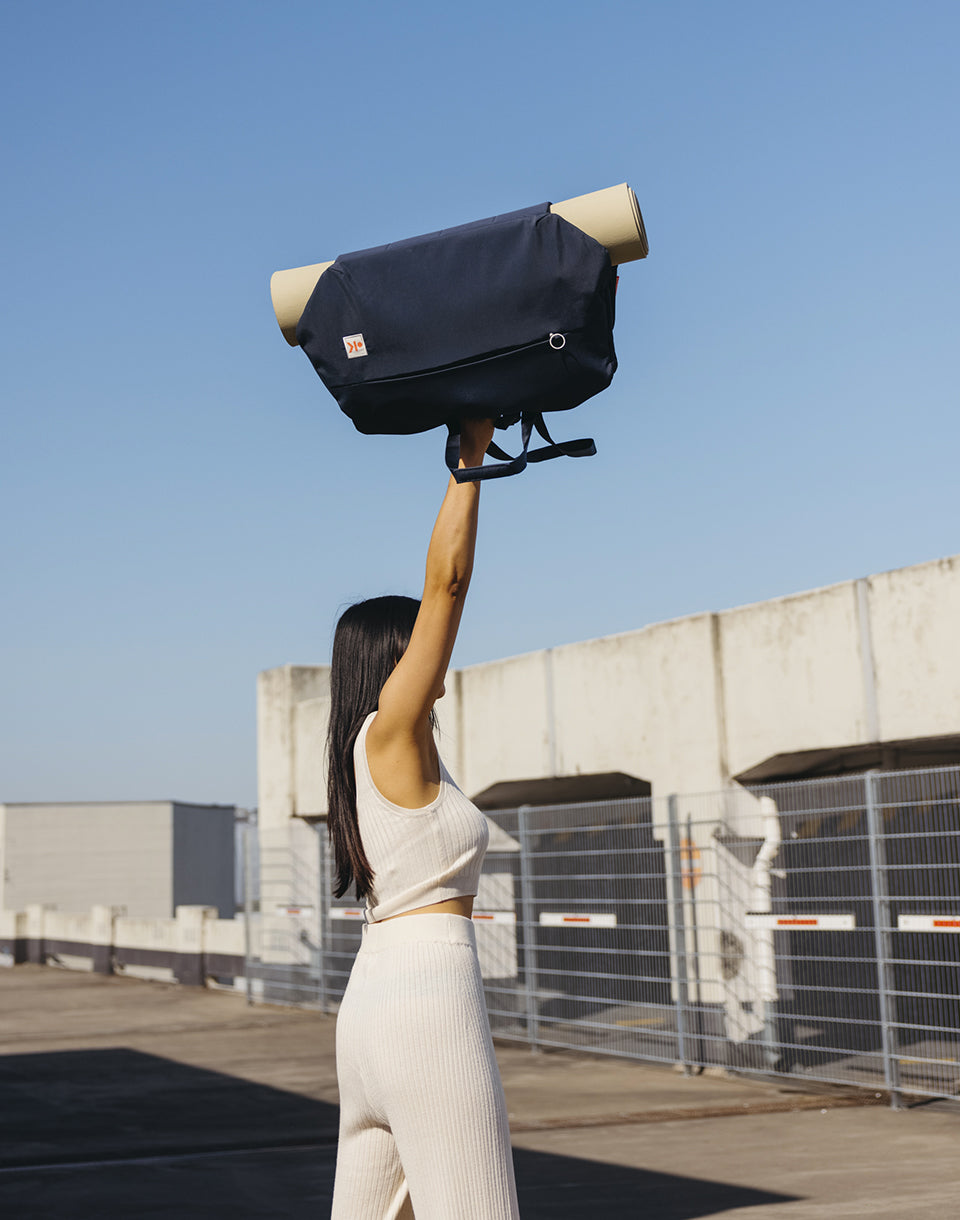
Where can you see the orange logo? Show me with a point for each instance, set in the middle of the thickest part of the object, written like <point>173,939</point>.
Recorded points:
<point>355,346</point>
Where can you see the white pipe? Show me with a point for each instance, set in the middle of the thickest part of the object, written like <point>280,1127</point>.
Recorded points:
<point>763,899</point>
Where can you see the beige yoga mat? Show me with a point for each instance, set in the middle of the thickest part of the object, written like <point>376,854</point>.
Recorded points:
<point>611,216</point>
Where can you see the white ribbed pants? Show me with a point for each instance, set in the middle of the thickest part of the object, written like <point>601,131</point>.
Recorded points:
<point>423,1122</point>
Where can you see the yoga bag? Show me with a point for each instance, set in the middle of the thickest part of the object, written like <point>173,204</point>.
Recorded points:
<point>504,318</point>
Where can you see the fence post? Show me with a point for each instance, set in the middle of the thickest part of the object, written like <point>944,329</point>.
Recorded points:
<point>882,927</point>
<point>249,828</point>
<point>678,930</point>
<point>530,981</point>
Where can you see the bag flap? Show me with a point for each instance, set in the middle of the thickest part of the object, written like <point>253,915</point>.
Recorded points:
<point>447,297</point>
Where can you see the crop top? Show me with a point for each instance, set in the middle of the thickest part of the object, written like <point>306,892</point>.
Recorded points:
<point>418,856</point>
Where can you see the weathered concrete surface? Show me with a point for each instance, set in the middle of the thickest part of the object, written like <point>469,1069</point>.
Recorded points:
<point>683,704</point>
<point>128,1099</point>
<point>854,1163</point>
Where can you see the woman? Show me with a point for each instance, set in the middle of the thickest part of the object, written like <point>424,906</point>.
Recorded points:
<point>423,1124</point>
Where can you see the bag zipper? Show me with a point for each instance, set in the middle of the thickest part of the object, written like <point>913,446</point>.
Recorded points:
<point>464,364</point>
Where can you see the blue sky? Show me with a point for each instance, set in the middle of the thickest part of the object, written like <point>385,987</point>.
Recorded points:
<point>183,503</point>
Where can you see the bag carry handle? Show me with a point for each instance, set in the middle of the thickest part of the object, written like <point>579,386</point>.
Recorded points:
<point>498,470</point>
<point>507,465</point>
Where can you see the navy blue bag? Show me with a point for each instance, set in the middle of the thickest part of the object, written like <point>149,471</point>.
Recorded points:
<point>503,318</point>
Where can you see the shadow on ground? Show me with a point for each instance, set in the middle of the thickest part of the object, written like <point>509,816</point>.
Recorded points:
<point>120,1135</point>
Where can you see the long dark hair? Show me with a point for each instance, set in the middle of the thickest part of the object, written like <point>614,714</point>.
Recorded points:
<point>370,639</point>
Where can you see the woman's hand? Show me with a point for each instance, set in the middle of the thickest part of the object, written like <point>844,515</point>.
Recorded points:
<point>475,436</point>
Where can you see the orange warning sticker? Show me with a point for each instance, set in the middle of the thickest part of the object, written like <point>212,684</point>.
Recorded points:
<point>690,870</point>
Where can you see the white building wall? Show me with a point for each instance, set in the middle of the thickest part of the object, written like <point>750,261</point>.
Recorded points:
<point>684,704</point>
<point>279,691</point>
<point>792,675</point>
<point>503,718</point>
<point>309,749</point>
<point>79,855</point>
<point>619,701</point>
<point>915,622</point>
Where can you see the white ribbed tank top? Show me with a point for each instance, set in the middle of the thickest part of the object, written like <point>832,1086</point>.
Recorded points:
<point>418,856</point>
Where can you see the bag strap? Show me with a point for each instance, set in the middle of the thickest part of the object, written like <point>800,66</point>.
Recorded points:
<point>498,470</point>
<point>507,465</point>
<point>584,447</point>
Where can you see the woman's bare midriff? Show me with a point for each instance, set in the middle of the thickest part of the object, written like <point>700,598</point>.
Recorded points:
<point>452,906</point>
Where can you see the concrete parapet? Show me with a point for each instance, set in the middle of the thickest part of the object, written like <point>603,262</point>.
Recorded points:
<point>103,920</point>
<point>36,917</point>
<point>191,948</point>
<point>188,960</point>
<point>13,937</point>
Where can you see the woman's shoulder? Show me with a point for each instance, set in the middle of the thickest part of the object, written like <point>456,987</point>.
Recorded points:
<point>359,746</point>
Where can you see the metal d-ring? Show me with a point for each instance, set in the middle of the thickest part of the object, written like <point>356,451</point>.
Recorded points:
<point>557,346</point>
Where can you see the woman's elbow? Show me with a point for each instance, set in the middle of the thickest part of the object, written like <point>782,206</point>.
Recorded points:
<point>451,587</point>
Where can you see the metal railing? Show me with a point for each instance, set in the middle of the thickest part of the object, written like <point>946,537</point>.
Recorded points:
<point>808,930</point>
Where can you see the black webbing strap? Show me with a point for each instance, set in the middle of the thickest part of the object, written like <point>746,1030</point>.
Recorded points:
<point>584,447</point>
<point>507,465</point>
<point>497,470</point>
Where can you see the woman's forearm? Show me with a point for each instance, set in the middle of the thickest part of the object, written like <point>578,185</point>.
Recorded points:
<point>452,544</point>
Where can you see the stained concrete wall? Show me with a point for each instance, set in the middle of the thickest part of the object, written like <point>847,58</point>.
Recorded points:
<point>279,692</point>
<point>792,675</point>
<point>309,745</point>
<point>684,704</point>
<point>619,702</point>
<point>505,728</point>
<point>915,623</point>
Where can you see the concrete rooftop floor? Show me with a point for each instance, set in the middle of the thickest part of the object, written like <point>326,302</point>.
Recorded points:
<point>124,1099</point>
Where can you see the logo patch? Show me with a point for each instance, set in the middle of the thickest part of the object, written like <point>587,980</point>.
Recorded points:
<point>355,346</point>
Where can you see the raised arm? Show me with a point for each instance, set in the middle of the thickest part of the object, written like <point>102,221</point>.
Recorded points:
<point>400,741</point>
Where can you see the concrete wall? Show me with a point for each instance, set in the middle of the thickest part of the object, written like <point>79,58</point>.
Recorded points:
<point>293,772</point>
<point>792,675</point>
<point>505,726</point>
<point>146,856</point>
<point>279,692</point>
<point>619,702</point>
<point>684,704</point>
<point>915,617</point>
<point>309,745</point>
<point>191,947</point>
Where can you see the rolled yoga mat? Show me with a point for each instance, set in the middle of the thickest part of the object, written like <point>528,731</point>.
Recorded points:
<point>611,216</point>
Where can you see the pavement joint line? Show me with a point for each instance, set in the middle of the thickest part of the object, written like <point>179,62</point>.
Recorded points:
<point>139,1031</point>
<point>158,1158</point>
<point>804,1102</point>
<point>685,1113</point>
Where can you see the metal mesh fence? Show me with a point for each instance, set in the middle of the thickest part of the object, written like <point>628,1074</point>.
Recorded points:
<point>286,955</point>
<point>809,930</point>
